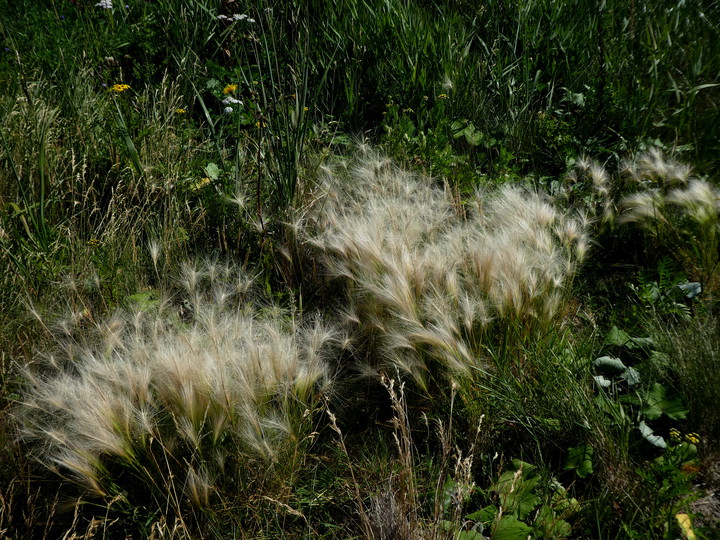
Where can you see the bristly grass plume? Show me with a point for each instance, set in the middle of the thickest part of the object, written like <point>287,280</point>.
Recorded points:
<point>679,211</point>
<point>437,285</point>
<point>200,407</point>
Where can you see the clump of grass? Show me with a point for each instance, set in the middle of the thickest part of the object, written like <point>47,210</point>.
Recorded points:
<point>441,287</point>
<point>693,351</point>
<point>678,211</point>
<point>180,408</point>
<point>411,494</point>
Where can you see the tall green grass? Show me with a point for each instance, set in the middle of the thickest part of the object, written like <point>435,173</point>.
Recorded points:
<point>454,272</point>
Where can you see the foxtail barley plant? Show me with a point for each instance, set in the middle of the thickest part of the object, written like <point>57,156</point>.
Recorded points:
<point>200,407</point>
<point>679,211</point>
<point>436,285</point>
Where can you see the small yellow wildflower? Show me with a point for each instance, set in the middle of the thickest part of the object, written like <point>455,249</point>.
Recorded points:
<point>675,435</point>
<point>442,96</point>
<point>229,88</point>
<point>306,109</point>
<point>255,82</point>
<point>259,124</point>
<point>692,438</point>
<point>201,183</point>
<point>119,87</point>
<point>180,111</point>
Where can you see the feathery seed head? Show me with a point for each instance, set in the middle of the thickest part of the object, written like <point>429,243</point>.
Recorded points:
<point>227,380</point>
<point>699,199</point>
<point>643,207</point>
<point>654,168</point>
<point>426,280</point>
<point>599,177</point>
<point>155,249</point>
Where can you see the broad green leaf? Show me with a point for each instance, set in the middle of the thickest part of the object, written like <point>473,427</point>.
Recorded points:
<point>619,338</point>
<point>580,459</point>
<point>640,343</point>
<point>602,381</point>
<point>511,528</point>
<point>548,525</point>
<point>459,128</point>
<point>144,301</point>
<point>632,376</point>
<point>616,337</point>
<point>690,289</point>
<point>486,515</point>
<point>516,487</point>
<point>610,364</point>
<point>659,402</point>
<point>469,535</point>
<point>647,432</point>
<point>473,137</point>
<point>212,170</point>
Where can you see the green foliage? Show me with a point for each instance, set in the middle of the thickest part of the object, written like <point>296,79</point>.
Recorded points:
<point>691,357</point>
<point>667,483</point>
<point>519,509</point>
<point>666,293</point>
<point>105,195</point>
<point>580,460</point>
<point>625,394</point>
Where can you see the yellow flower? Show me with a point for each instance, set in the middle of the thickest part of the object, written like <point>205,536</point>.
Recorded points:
<point>229,88</point>
<point>119,87</point>
<point>675,435</point>
<point>443,96</point>
<point>692,438</point>
<point>180,111</point>
<point>201,183</point>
